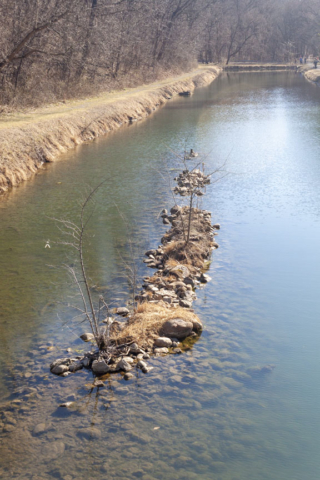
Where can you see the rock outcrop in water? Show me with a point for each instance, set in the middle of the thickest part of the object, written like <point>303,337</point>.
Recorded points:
<point>163,316</point>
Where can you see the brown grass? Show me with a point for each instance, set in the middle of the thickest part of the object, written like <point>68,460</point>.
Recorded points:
<point>147,323</point>
<point>313,75</point>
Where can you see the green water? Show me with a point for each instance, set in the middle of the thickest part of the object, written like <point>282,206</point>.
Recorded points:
<point>218,419</point>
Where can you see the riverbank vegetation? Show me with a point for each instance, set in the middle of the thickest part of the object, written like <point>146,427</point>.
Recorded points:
<point>55,50</point>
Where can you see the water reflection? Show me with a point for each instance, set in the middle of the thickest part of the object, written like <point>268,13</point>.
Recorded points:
<point>220,411</point>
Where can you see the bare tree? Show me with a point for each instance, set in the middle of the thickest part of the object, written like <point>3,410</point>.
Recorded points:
<point>73,235</point>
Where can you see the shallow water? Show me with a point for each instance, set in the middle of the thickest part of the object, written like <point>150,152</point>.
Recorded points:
<point>219,417</point>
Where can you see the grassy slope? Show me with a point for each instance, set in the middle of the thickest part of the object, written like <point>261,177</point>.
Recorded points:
<point>28,139</point>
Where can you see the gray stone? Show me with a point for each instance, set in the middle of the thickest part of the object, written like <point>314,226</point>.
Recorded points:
<point>59,369</point>
<point>67,405</point>
<point>177,328</point>
<point>99,367</point>
<point>60,361</point>
<point>204,278</point>
<point>185,303</point>
<point>53,450</point>
<point>147,369</point>
<point>98,384</point>
<point>163,342</point>
<point>150,252</point>
<point>161,351</point>
<point>128,359</point>
<point>128,376</point>
<point>86,337</point>
<point>86,362</point>
<point>189,281</point>
<point>91,433</point>
<point>108,321</point>
<point>74,367</point>
<point>167,299</point>
<point>124,365</point>
<point>197,325</point>
<point>142,364</point>
<point>135,349</point>
<point>122,311</point>
<point>39,429</point>
<point>216,226</point>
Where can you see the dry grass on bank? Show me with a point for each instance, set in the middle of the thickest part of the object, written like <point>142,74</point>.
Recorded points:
<point>146,324</point>
<point>313,75</point>
<point>26,145</point>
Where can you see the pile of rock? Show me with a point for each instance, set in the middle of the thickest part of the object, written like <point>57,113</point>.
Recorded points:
<point>129,356</point>
<point>176,284</point>
<point>164,316</point>
<point>191,181</point>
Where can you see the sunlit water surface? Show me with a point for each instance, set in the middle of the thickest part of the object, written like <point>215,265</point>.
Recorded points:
<point>205,414</point>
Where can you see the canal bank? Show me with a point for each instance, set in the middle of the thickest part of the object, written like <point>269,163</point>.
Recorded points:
<point>313,75</point>
<point>32,139</point>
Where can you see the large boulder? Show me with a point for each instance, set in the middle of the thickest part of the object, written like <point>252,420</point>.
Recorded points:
<point>99,367</point>
<point>176,328</point>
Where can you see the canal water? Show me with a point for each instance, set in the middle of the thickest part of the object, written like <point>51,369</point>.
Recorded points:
<point>243,402</point>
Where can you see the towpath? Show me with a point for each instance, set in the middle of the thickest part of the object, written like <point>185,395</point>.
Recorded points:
<point>70,107</point>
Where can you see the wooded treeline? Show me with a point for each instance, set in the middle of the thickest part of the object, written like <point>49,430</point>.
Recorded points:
<point>56,49</point>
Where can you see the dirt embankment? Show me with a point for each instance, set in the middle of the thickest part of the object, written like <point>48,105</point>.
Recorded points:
<point>29,140</point>
<point>313,75</point>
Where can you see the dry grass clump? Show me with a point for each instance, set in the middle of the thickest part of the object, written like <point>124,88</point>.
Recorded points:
<point>191,255</point>
<point>147,322</point>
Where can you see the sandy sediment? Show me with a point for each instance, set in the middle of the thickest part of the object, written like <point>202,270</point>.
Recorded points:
<point>26,147</point>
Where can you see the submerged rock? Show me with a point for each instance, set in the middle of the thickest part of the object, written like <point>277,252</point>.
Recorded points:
<point>60,369</point>
<point>86,337</point>
<point>40,428</point>
<point>67,405</point>
<point>91,433</point>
